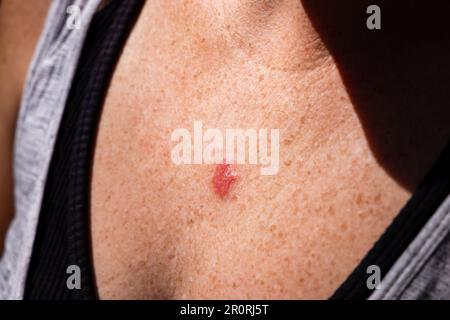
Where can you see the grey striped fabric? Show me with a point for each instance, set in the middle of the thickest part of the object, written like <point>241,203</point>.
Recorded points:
<point>422,271</point>
<point>46,90</point>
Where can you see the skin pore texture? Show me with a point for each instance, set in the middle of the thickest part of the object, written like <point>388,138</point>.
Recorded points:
<point>20,26</point>
<point>160,230</point>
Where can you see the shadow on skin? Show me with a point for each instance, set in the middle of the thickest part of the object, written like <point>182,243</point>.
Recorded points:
<point>398,77</point>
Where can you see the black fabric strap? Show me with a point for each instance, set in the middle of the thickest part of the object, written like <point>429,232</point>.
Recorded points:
<point>63,236</point>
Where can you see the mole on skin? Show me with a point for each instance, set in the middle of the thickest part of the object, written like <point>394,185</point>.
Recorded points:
<point>224,177</point>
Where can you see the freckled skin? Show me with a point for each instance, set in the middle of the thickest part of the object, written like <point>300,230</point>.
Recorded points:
<point>224,177</point>
<point>158,230</point>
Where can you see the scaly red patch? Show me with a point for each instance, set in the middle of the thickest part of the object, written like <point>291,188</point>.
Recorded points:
<point>224,177</point>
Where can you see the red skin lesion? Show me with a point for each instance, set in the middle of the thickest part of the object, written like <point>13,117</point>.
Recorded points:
<point>224,177</point>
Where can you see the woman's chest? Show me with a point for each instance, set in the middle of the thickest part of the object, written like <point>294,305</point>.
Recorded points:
<point>168,223</point>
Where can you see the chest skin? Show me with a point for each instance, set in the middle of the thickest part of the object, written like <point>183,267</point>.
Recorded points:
<point>160,231</point>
